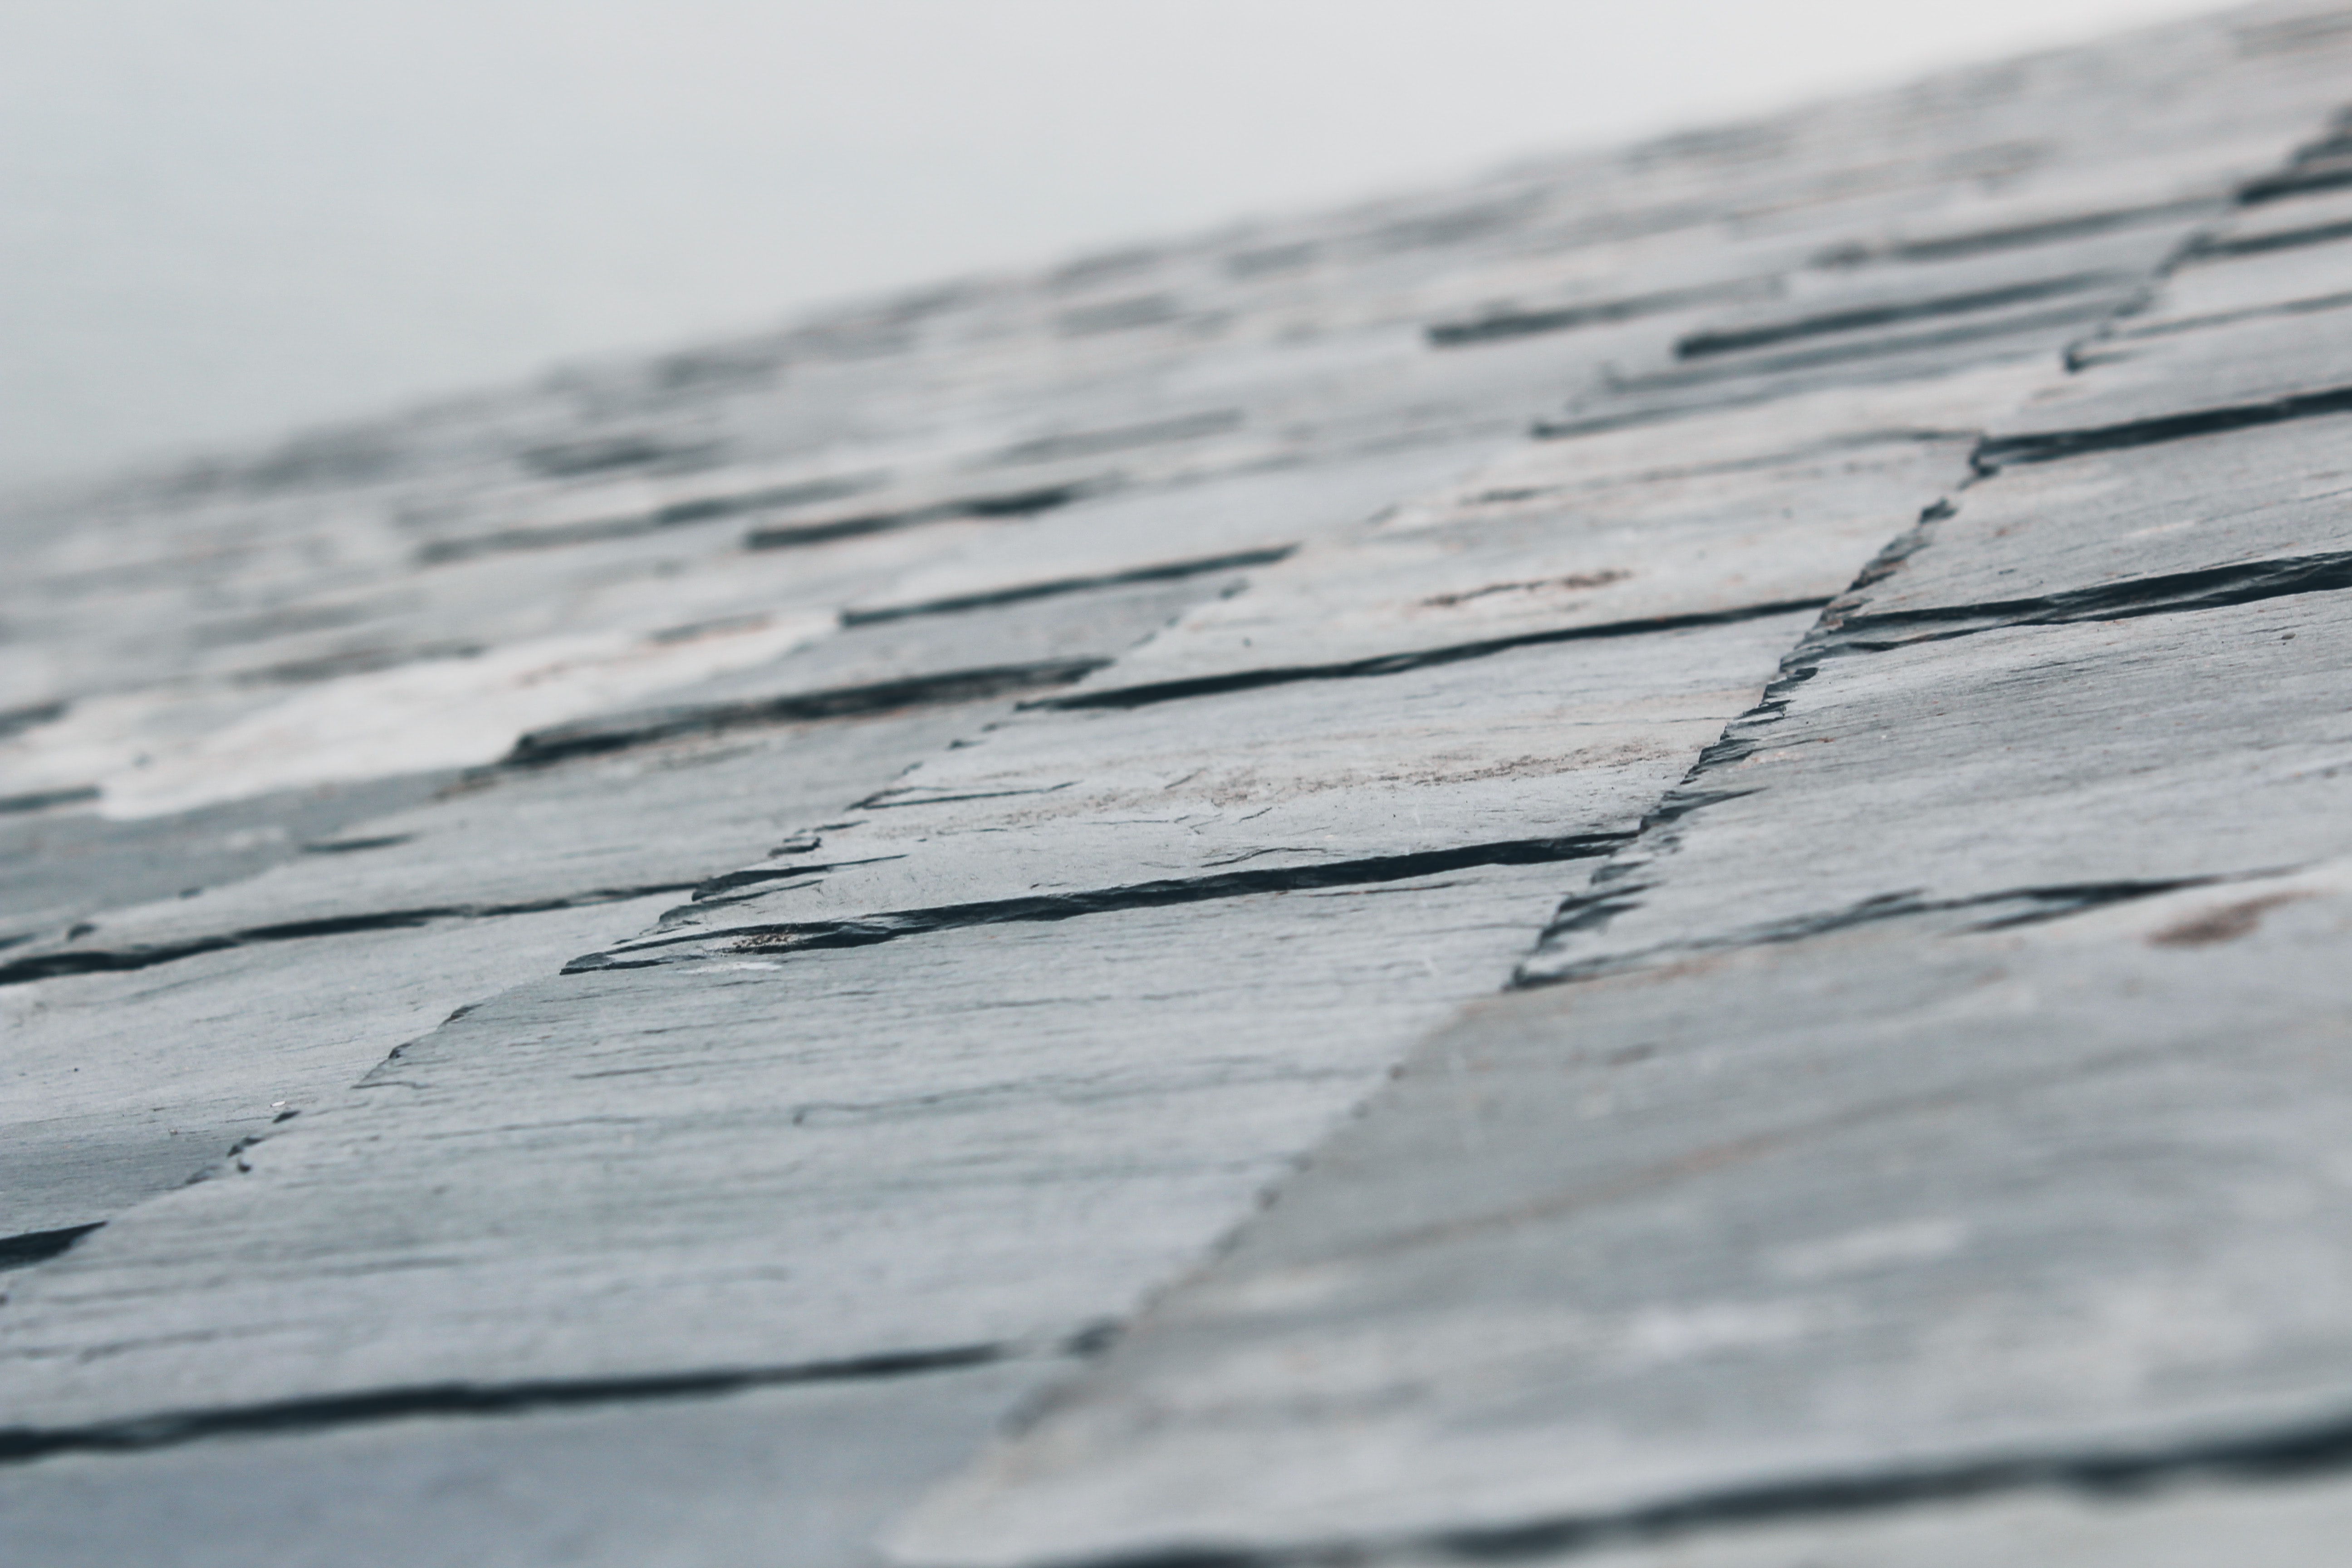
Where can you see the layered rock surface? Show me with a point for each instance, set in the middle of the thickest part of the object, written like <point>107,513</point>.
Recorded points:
<point>921,825</point>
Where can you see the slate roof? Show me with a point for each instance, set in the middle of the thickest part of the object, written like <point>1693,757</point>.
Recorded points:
<point>1644,863</point>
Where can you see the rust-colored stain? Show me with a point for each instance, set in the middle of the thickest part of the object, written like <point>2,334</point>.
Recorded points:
<point>2225,924</point>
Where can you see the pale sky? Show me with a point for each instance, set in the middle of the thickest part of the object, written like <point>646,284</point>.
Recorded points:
<point>223,218</point>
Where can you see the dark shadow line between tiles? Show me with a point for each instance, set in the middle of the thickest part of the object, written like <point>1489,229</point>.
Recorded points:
<point>1708,371</point>
<point>2223,247</point>
<point>19,1444</point>
<point>2120,343</point>
<point>2172,593</point>
<point>1977,242</point>
<point>2037,905</point>
<point>57,964</point>
<point>2295,183</point>
<point>1082,444</point>
<point>806,935</point>
<point>989,507</point>
<point>1997,452</point>
<point>1734,386</point>
<point>2318,1447</point>
<point>677,514</point>
<point>16,720</point>
<point>1426,659</point>
<point>40,1246</point>
<point>621,731</point>
<point>1710,342</point>
<point>1502,325</point>
<point>1172,572</point>
<point>1616,887</point>
<point>726,887</point>
<point>42,800</point>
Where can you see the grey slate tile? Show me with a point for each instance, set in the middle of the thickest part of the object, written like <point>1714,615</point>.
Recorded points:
<point>118,1087</point>
<point>783,1478</point>
<point>1568,742</point>
<point>1861,1212</point>
<point>967,1141</point>
<point>2203,521</point>
<point>2108,772</point>
<point>997,1138</point>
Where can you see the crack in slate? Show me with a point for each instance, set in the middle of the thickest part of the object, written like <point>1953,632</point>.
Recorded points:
<point>325,1412</point>
<point>715,888</point>
<point>1398,663</point>
<point>801,935</point>
<point>592,737</point>
<point>109,961</point>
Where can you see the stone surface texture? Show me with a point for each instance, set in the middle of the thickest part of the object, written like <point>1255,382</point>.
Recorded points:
<point>1644,863</point>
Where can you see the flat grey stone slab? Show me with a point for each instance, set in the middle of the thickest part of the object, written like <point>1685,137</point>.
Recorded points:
<point>1529,747</point>
<point>1896,1203</point>
<point>2312,218</point>
<point>2215,286</point>
<point>780,1477</point>
<point>1780,503</point>
<point>60,867</point>
<point>971,1140</point>
<point>856,1141</point>
<point>2135,390</point>
<point>654,820</point>
<point>1037,642</point>
<point>2269,1524</point>
<point>116,1088</point>
<point>1122,535</point>
<point>2203,520</point>
<point>2112,772</point>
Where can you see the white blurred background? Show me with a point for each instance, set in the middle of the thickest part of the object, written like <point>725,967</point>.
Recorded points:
<point>221,217</point>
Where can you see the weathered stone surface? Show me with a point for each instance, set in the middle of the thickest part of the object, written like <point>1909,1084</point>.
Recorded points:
<point>57,867</point>
<point>2228,278</point>
<point>2205,521</point>
<point>1335,683</point>
<point>1905,1201</point>
<point>658,819</point>
<point>1535,747</point>
<point>1714,515</point>
<point>800,1475</point>
<point>2110,775</point>
<point>116,1088</point>
<point>2272,1523</point>
<point>2249,371</point>
<point>966,1140</point>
